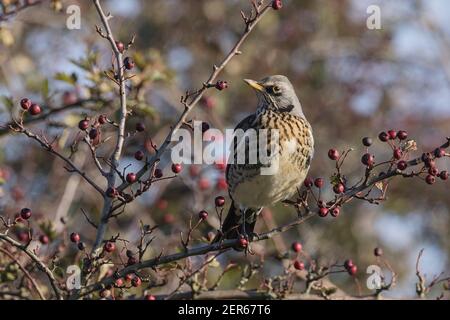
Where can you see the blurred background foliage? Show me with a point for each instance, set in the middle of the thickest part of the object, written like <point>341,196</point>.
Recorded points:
<point>352,82</point>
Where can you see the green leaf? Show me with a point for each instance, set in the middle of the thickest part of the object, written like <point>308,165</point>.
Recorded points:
<point>68,78</point>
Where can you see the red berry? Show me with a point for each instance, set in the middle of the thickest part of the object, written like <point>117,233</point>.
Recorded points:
<point>348,264</point>
<point>323,212</point>
<point>75,237</point>
<point>93,134</point>
<point>221,166</point>
<point>120,46</point>
<point>109,246</point>
<point>83,124</point>
<point>102,119</point>
<point>222,184</point>
<point>402,165</point>
<point>352,270</point>
<point>308,182</point>
<point>319,182</point>
<point>439,153</point>
<point>398,153</point>
<point>25,103</point>
<point>69,98</point>
<point>430,179</point>
<point>221,85</point>
<point>204,184</point>
<point>140,127</point>
<point>402,135</point>
<point>299,265</point>
<point>383,136</point>
<point>219,201</point>
<point>378,252</point>
<point>367,141</point>
<point>119,282</point>
<point>131,177</point>
<point>131,261</point>
<point>139,155</point>
<point>333,154</point>
<point>44,239</point>
<point>433,171</point>
<point>34,109</point>
<point>203,215</point>
<point>392,134</point>
<point>150,297</point>
<point>23,236</point>
<point>444,175</point>
<point>158,173</point>
<point>339,188</point>
<point>368,159</point>
<point>243,243</point>
<point>297,247</point>
<point>176,168</point>
<point>25,213</point>
<point>136,281</point>
<point>277,4</point>
<point>128,63</point>
<point>335,212</point>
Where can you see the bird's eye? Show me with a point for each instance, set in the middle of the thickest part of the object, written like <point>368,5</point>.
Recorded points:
<point>276,90</point>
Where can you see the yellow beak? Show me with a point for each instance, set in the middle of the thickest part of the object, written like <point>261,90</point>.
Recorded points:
<point>254,84</point>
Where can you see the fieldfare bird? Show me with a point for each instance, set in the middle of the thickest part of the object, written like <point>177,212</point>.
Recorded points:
<point>289,147</point>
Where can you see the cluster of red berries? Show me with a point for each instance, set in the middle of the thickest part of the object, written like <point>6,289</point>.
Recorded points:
<point>351,268</point>
<point>323,209</point>
<point>297,248</point>
<point>129,63</point>
<point>430,163</point>
<point>33,108</point>
<point>221,85</point>
<point>75,238</point>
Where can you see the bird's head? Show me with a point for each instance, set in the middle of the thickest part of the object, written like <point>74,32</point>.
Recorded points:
<point>277,94</point>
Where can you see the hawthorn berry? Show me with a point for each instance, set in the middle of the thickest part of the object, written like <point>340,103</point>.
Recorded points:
<point>402,135</point>
<point>136,281</point>
<point>131,177</point>
<point>308,182</point>
<point>140,127</point>
<point>35,109</point>
<point>348,264</point>
<point>299,265</point>
<point>367,141</point>
<point>131,261</point>
<point>439,152</point>
<point>368,159</point>
<point>25,213</point>
<point>139,155</point>
<point>204,184</point>
<point>23,236</point>
<point>398,153</point>
<point>433,171</point>
<point>177,168</point>
<point>383,136</point>
<point>129,63</point>
<point>323,212</point>
<point>120,46</point>
<point>111,192</point>
<point>128,277</point>
<point>222,184</point>
<point>25,103</point>
<point>430,179</point>
<point>402,165</point>
<point>221,85</point>
<point>444,175</point>
<point>109,246</point>
<point>119,282</point>
<point>219,201</point>
<point>83,124</point>
<point>319,182</point>
<point>277,4</point>
<point>378,252</point>
<point>158,173</point>
<point>335,212</point>
<point>243,243</point>
<point>392,134</point>
<point>352,270</point>
<point>150,297</point>
<point>203,215</point>
<point>75,237</point>
<point>296,247</point>
<point>44,239</point>
<point>102,119</point>
<point>221,166</point>
<point>93,133</point>
<point>333,154</point>
<point>339,188</point>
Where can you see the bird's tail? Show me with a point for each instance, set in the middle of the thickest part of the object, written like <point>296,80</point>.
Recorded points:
<point>232,225</point>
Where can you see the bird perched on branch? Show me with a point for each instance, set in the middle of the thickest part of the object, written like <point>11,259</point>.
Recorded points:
<point>289,148</point>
